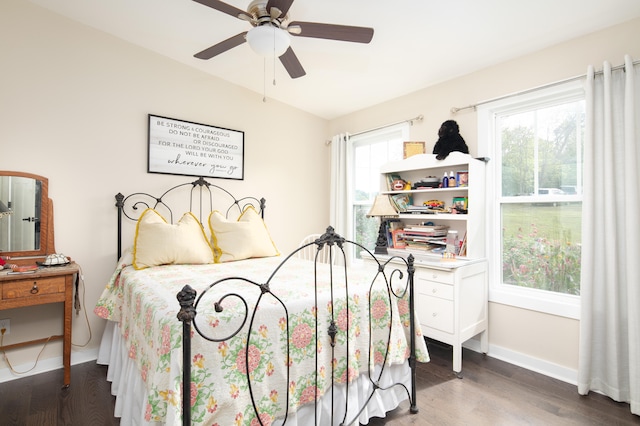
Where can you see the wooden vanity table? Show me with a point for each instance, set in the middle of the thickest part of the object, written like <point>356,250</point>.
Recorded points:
<point>27,237</point>
<point>46,285</point>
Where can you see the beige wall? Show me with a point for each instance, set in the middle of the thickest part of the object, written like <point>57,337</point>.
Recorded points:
<point>515,334</point>
<point>73,108</point>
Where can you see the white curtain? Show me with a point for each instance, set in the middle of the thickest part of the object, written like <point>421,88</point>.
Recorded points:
<point>339,194</point>
<point>609,360</point>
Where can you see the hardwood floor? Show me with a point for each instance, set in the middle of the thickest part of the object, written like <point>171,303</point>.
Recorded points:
<point>494,392</point>
<point>40,400</point>
<point>491,392</point>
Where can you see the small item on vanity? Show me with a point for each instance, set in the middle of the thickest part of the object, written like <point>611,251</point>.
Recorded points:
<point>22,269</point>
<point>55,260</point>
<point>4,264</point>
<point>445,180</point>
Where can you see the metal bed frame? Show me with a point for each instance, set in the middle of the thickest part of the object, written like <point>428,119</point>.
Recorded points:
<point>336,245</point>
<point>201,196</point>
<point>394,270</point>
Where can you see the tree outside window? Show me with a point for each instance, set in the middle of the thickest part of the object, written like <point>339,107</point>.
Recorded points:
<point>540,168</point>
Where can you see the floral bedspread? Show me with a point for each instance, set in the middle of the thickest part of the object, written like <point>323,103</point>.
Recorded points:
<point>144,304</point>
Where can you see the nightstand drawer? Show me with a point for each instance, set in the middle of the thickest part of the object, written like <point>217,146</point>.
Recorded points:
<point>32,287</point>
<point>435,313</point>
<point>435,289</point>
<point>445,277</point>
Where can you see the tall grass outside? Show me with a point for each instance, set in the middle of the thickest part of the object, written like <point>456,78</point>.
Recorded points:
<point>541,246</point>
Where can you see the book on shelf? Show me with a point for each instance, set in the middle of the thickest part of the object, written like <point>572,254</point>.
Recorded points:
<point>390,226</point>
<point>423,240</point>
<point>418,245</point>
<point>394,224</point>
<point>426,231</point>
<point>401,201</point>
<point>429,209</point>
<point>424,247</point>
<point>397,239</point>
<point>426,228</point>
<point>417,209</point>
<point>463,246</point>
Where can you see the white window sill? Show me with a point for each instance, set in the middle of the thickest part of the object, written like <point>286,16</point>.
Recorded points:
<point>563,305</point>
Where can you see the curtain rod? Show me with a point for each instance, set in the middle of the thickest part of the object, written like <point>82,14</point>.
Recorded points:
<point>410,121</point>
<point>455,110</point>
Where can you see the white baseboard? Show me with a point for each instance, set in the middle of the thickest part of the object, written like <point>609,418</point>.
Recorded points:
<point>541,366</point>
<point>44,365</point>
<point>521,360</point>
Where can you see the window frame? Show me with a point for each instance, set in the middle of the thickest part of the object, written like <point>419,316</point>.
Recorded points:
<point>401,132</point>
<point>559,304</point>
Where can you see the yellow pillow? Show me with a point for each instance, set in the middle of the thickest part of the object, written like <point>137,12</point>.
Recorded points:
<point>160,243</point>
<point>247,237</point>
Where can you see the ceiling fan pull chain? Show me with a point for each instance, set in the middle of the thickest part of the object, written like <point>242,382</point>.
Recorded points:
<point>274,70</point>
<point>274,57</point>
<point>264,79</point>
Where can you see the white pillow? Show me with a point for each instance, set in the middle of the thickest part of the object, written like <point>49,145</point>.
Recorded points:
<point>160,243</point>
<point>243,239</point>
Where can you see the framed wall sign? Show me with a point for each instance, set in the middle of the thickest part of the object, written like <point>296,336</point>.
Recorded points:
<point>179,147</point>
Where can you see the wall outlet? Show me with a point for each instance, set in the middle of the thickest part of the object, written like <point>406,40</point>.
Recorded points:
<point>6,324</point>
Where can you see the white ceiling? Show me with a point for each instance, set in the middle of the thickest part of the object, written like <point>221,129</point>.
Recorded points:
<point>417,43</point>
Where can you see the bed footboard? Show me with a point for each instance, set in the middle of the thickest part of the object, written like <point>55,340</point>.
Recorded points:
<point>389,316</point>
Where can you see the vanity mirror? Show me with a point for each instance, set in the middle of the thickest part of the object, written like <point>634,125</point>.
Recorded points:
<point>26,215</point>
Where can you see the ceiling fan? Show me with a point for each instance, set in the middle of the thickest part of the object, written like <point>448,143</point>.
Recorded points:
<point>271,29</point>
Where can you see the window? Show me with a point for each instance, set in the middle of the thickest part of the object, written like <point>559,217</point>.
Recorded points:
<point>535,197</point>
<point>370,151</point>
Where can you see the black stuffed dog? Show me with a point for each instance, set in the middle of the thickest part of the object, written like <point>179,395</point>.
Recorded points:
<point>449,140</point>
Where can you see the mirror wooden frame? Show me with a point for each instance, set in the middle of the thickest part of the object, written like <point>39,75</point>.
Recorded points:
<point>47,245</point>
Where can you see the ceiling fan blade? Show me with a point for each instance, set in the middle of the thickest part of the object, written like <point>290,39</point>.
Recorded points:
<point>222,47</point>
<point>282,5</point>
<point>226,8</point>
<point>331,31</point>
<point>292,64</point>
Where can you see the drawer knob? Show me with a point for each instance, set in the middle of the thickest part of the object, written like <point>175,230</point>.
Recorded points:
<point>433,290</point>
<point>435,314</point>
<point>35,289</point>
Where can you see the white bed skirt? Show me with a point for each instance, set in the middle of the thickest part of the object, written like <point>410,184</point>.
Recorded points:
<point>131,396</point>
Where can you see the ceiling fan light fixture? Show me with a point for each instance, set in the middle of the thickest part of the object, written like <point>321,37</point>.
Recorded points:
<point>267,40</point>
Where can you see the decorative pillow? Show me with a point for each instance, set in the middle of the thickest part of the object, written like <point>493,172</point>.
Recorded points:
<point>160,243</point>
<point>247,237</point>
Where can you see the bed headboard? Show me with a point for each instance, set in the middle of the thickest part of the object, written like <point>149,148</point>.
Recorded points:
<point>203,198</point>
